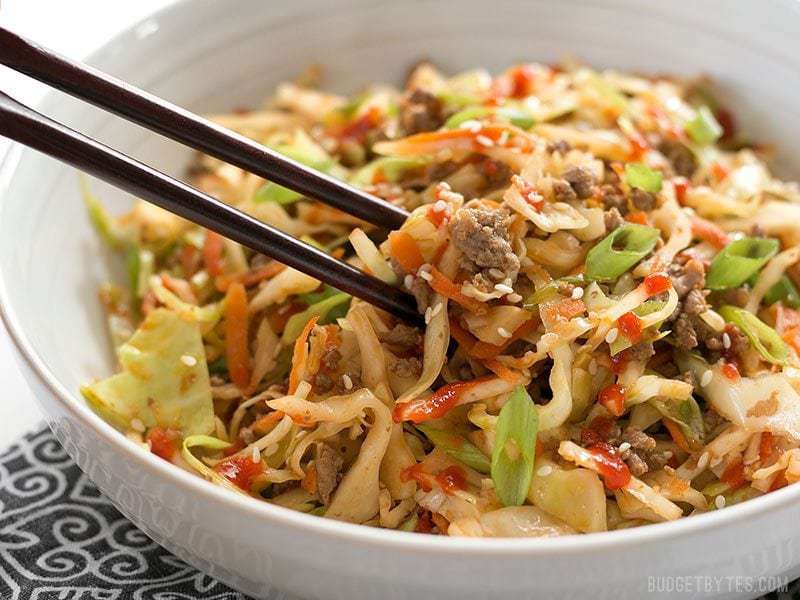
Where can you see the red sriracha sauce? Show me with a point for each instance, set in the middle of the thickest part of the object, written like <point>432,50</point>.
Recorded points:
<point>619,361</point>
<point>734,475</point>
<point>435,406</point>
<point>613,398</point>
<point>631,327</point>
<point>730,371</point>
<point>611,467</point>
<point>240,470</point>
<point>452,479</point>
<point>656,284</point>
<point>599,430</point>
<point>163,442</point>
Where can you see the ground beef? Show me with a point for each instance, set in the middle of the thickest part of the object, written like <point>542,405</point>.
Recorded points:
<point>563,192</point>
<point>613,197</point>
<point>643,455</point>
<point>695,303</point>
<point>330,359</point>
<point>641,352</point>
<point>329,465</point>
<point>688,276</point>
<point>281,488</point>
<point>561,146</point>
<point>406,367</point>
<point>482,236</point>
<point>739,341</point>
<point>402,335</point>
<point>685,335</point>
<point>643,200</point>
<point>420,111</point>
<point>679,156</point>
<point>422,293</point>
<point>612,219</point>
<point>581,180</point>
<point>689,377</point>
<point>322,383</point>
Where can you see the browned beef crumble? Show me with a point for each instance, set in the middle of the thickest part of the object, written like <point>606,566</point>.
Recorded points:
<point>420,111</point>
<point>643,200</point>
<point>401,335</point>
<point>329,465</point>
<point>406,367</point>
<point>688,276</point>
<point>582,181</point>
<point>612,219</point>
<point>680,157</point>
<point>563,192</point>
<point>482,236</point>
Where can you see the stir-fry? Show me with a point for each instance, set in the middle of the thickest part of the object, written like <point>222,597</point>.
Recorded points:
<point>608,275</point>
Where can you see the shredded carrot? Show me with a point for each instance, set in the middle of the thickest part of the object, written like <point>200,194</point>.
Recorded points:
<point>251,277</point>
<point>179,287</point>
<point>499,369</point>
<point>734,475</point>
<point>188,258</point>
<point>263,425</point>
<point>441,522</point>
<point>709,232</point>
<point>677,435</point>
<point>405,250</point>
<point>449,289</point>
<point>212,253</point>
<point>236,329</point>
<point>462,336</point>
<point>766,446</point>
<point>309,481</point>
<point>300,356</point>
<point>638,217</point>
<point>487,350</point>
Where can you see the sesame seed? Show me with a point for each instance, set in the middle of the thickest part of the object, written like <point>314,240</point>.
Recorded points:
<point>427,315</point>
<point>255,456</point>
<point>439,206</point>
<point>188,360</point>
<point>137,425</point>
<point>425,275</point>
<point>408,281</point>
<point>544,471</point>
<point>577,293</point>
<point>436,309</point>
<point>791,372</point>
<point>702,462</point>
<point>726,341</point>
<point>513,298</point>
<point>502,287</point>
<point>503,332</point>
<point>199,279</point>
<point>612,335</point>
<point>484,141</point>
<point>445,186</point>
<point>348,383</point>
<point>501,141</point>
<point>624,447</point>
<point>719,501</point>
<point>706,378</point>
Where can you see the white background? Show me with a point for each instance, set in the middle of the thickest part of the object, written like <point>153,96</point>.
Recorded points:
<point>73,28</point>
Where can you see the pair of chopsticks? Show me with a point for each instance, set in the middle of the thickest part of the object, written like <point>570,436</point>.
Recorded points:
<point>26,126</point>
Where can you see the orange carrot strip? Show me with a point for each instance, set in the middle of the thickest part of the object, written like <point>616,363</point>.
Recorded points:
<point>263,425</point>
<point>499,369</point>
<point>251,277</point>
<point>766,445</point>
<point>405,250</point>
<point>179,287</point>
<point>487,350</point>
<point>212,253</point>
<point>300,355</point>
<point>449,289</point>
<point>309,482</point>
<point>236,328</point>
<point>677,435</point>
<point>734,475</point>
<point>709,232</point>
<point>462,336</point>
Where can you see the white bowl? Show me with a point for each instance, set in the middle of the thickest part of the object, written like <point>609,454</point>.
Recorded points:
<point>210,56</point>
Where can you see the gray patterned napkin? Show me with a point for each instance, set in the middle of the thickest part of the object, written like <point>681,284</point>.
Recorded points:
<point>61,539</point>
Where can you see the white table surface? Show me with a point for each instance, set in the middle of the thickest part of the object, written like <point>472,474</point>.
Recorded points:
<point>74,28</point>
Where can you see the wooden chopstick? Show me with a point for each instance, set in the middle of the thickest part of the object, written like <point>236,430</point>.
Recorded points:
<point>28,127</point>
<point>147,110</point>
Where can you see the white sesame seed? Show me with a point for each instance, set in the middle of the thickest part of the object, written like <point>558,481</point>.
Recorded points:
<point>188,360</point>
<point>544,471</point>
<point>503,332</point>
<point>726,341</point>
<point>593,367</point>
<point>427,315</point>
<point>577,293</point>
<point>475,127</point>
<point>706,378</point>
<point>719,501</point>
<point>425,275</point>
<point>439,206</point>
<point>702,462</point>
<point>484,141</point>
<point>255,455</point>
<point>513,298</point>
<point>137,425</point>
<point>199,279</point>
<point>612,335</point>
<point>408,281</point>
<point>501,141</point>
<point>496,273</point>
<point>445,186</point>
<point>348,383</point>
<point>624,447</point>
<point>791,372</point>
<point>502,287</point>
<point>436,309</point>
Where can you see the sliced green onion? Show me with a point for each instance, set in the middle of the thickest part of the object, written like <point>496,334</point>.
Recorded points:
<point>457,447</point>
<point>643,177</point>
<point>783,291</point>
<point>303,150</point>
<point>687,415</point>
<point>704,128</point>
<point>648,307</point>
<point>392,168</point>
<point>140,264</point>
<point>295,324</point>
<point>515,448</point>
<point>517,116</point>
<point>763,337</point>
<point>467,114</point>
<point>550,290</point>
<point>738,261</point>
<point>620,250</point>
